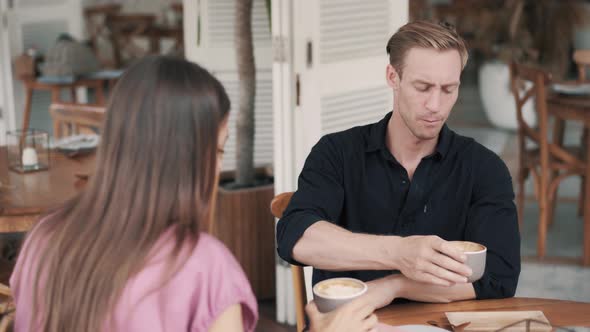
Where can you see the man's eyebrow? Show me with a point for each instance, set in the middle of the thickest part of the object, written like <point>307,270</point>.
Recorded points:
<point>419,81</point>
<point>447,85</point>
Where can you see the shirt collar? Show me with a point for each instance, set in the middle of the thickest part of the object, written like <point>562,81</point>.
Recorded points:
<point>377,131</point>
<point>377,134</point>
<point>444,141</point>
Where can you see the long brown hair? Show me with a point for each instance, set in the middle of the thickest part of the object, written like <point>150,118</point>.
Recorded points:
<point>155,171</point>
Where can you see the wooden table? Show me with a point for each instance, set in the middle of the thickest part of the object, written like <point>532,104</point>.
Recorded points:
<point>575,108</point>
<point>559,313</point>
<point>23,197</point>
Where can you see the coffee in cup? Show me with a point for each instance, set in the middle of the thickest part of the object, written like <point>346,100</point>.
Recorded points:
<point>476,257</point>
<point>329,294</point>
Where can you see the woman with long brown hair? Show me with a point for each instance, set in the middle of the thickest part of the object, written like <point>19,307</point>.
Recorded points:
<point>127,254</point>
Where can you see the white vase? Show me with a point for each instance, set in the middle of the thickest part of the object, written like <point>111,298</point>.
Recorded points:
<point>496,96</point>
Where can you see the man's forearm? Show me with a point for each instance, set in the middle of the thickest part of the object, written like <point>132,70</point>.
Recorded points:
<point>419,291</point>
<point>329,247</point>
<point>383,291</point>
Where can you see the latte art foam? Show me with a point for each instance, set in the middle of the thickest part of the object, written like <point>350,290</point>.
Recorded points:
<point>339,289</point>
<point>467,246</point>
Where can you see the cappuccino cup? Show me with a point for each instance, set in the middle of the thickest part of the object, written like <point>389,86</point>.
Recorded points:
<point>476,257</point>
<point>329,294</point>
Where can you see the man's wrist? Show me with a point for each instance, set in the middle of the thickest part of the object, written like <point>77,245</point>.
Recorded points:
<point>398,285</point>
<point>388,251</point>
<point>383,291</point>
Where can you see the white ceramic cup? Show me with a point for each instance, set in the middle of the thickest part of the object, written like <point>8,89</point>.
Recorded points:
<point>476,257</point>
<point>329,294</point>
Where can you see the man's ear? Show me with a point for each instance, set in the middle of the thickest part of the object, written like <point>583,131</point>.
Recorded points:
<point>393,79</point>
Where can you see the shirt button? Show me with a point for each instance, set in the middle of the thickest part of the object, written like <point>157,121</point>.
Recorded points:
<point>403,181</point>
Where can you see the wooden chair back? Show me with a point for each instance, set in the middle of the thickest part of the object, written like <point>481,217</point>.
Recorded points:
<point>72,118</point>
<point>529,83</point>
<point>549,161</point>
<point>582,60</point>
<point>277,207</point>
<point>538,90</point>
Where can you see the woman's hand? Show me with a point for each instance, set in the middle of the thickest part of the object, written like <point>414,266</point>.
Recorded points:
<point>355,316</point>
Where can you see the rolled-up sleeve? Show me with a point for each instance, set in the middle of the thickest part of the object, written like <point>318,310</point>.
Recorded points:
<point>319,196</point>
<point>493,222</point>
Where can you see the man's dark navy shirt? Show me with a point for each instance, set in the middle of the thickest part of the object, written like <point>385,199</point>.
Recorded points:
<point>462,191</point>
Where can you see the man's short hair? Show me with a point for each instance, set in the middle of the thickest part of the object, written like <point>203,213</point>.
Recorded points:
<point>424,34</point>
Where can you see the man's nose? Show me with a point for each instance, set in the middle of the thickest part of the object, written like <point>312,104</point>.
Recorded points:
<point>433,101</point>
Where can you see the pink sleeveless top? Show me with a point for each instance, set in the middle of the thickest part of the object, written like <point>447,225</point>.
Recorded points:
<point>208,283</point>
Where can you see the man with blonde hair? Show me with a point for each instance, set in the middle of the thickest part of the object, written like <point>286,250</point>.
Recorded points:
<point>381,202</point>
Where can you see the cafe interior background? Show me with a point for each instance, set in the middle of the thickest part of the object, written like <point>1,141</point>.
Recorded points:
<point>319,69</point>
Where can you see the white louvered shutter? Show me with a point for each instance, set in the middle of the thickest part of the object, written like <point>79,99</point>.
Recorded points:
<point>209,41</point>
<point>342,65</point>
<point>335,58</point>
